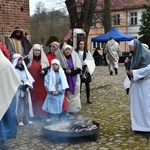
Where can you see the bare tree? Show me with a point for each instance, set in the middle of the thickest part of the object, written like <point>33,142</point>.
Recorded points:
<point>45,23</point>
<point>81,13</point>
<point>36,19</point>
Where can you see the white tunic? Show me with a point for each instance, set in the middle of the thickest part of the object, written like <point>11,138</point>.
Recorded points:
<point>140,99</point>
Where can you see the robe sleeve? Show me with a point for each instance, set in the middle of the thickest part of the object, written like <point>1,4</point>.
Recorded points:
<point>106,50</point>
<point>10,48</point>
<point>46,82</point>
<point>119,51</point>
<point>141,73</point>
<point>60,90</point>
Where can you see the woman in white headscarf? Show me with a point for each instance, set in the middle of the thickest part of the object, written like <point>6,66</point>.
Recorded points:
<point>38,61</point>
<point>9,84</point>
<point>55,84</point>
<point>139,89</point>
<point>72,66</point>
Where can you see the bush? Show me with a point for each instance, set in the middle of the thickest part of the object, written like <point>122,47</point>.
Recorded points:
<point>52,38</point>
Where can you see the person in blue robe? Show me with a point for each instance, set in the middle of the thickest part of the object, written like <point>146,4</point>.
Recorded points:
<point>55,83</point>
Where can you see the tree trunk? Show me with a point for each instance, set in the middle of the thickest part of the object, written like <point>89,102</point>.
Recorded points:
<point>84,18</point>
<point>71,7</point>
<point>107,15</point>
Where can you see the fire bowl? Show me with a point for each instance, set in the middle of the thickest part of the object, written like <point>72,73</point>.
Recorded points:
<point>71,128</point>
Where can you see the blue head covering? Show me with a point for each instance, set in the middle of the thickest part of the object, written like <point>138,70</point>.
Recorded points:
<point>141,56</point>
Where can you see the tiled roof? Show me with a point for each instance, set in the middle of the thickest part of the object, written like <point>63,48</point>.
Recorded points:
<point>116,4</point>
<point>137,3</point>
<point>120,4</point>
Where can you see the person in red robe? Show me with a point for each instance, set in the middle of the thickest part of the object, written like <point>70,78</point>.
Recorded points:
<point>4,49</point>
<point>37,63</point>
<point>52,47</point>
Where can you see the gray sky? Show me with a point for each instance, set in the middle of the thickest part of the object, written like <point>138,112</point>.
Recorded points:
<point>49,4</point>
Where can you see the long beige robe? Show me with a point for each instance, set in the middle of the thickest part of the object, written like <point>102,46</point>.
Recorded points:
<point>9,83</point>
<point>113,52</point>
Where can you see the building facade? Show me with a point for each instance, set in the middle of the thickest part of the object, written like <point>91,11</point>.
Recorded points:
<point>14,13</point>
<point>126,16</point>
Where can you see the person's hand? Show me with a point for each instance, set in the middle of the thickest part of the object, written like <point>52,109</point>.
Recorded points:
<point>126,60</point>
<point>42,72</point>
<point>131,73</point>
<point>55,93</point>
<point>29,57</point>
<point>68,71</point>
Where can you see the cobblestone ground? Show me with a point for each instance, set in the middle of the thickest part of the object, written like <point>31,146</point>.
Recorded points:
<point>110,108</point>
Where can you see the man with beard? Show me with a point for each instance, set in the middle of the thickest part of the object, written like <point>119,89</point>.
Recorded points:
<point>18,43</point>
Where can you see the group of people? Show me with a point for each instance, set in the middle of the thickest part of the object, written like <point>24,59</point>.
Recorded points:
<point>41,85</point>
<point>49,85</point>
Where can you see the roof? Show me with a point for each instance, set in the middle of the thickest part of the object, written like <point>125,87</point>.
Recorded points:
<point>137,4</point>
<point>119,4</point>
<point>67,36</point>
<point>115,4</point>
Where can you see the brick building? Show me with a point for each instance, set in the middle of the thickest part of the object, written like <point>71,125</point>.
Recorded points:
<point>14,13</point>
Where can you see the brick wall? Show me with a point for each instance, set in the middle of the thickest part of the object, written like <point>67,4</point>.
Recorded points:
<point>14,13</point>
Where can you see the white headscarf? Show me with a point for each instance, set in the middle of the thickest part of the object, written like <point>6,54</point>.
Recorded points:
<point>74,55</point>
<point>52,83</point>
<point>15,58</point>
<point>67,46</point>
<point>44,60</point>
<point>131,43</point>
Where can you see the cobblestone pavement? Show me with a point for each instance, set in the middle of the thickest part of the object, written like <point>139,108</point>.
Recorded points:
<point>110,108</point>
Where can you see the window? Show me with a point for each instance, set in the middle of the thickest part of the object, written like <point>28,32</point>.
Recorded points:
<point>97,44</point>
<point>133,17</point>
<point>116,19</point>
<point>93,22</point>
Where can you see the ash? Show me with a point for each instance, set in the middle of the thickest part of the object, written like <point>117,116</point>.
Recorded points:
<point>74,126</point>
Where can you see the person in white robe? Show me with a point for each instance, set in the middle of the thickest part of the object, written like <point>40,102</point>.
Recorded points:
<point>23,99</point>
<point>139,94</point>
<point>113,52</point>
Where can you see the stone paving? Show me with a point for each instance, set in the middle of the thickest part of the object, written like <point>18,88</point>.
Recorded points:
<point>110,108</point>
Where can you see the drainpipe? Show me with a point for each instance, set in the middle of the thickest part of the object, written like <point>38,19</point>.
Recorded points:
<point>126,28</point>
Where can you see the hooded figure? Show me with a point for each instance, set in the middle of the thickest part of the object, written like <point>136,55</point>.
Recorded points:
<point>38,61</point>
<point>55,84</point>
<point>72,66</point>
<point>55,53</point>
<point>23,98</point>
<point>139,88</point>
<point>18,43</point>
